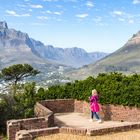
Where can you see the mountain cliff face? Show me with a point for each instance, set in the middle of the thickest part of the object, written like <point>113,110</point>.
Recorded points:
<point>75,57</point>
<point>125,60</point>
<point>18,47</point>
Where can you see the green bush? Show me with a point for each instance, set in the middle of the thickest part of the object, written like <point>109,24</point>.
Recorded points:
<point>113,88</point>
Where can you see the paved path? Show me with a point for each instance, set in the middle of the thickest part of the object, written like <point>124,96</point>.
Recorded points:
<point>81,121</point>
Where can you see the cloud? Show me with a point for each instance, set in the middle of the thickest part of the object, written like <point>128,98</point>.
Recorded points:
<point>97,19</point>
<point>60,0</point>
<point>57,13</point>
<point>71,0</point>
<point>131,21</point>
<point>38,24</point>
<point>42,17</point>
<point>117,13</point>
<point>13,13</point>
<point>50,0</point>
<point>121,19</point>
<point>124,17</point>
<point>36,6</point>
<point>82,15</point>
<point>136,1</point>
<point>30,10</point>
<point>50,12</point>
<point>89,4</point>
<point>22,5</point>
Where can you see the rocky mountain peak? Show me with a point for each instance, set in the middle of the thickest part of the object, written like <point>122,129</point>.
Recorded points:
<point>135,36</point>
<point>133,41</point>
<point>3,25</point>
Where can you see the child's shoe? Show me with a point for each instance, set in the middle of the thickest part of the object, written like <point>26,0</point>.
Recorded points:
<point>100,121</point>
<point>90,120</point>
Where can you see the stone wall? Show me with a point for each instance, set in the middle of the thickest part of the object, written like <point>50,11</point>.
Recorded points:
<point>107,112</point>
<point>14,126</point>
<point>111,112</point>
<point>59,105</point>
<point>120,113</point>
<point>42,111</point>
<point>79,106</point>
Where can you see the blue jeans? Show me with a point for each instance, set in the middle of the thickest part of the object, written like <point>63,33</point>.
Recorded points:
<point>94,114</point>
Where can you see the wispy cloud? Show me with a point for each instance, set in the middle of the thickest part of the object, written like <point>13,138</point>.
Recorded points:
<point>82,15</point>
<point>22,5</point>
<point>69,0</point>
<point>48,12</point>
<point>117,13</point>
<point>50,0</point>
<point>89,4</point>
<point>136,1</point>
<point>60,0</point>
<point>13,13</point>
<point>121,19</point>
<point>57,13</point>
<point>124,17</point>
<point>42,17</point>
<point>97,19</point>
<point>131,21</point>
<point>51,12</point>
<point>36,6</point>
<point>38,24</point>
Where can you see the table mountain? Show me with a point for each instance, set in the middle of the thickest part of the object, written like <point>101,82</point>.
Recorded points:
<point>18,47</point>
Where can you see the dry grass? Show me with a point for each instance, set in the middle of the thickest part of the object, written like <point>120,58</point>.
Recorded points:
<point>130,135</point>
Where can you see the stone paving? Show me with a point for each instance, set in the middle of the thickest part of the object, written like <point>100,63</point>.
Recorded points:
<point>78,120</point>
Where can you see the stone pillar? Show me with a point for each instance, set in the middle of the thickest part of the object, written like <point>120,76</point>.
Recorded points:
<point>12,127</point>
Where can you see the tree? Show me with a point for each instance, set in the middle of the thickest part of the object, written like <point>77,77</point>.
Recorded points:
<point>25,101</point>
<point>18,72</point>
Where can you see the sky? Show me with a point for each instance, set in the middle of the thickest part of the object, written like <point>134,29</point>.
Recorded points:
<point>94,25</point>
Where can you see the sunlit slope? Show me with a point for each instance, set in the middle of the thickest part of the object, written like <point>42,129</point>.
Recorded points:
<point>125,60</point>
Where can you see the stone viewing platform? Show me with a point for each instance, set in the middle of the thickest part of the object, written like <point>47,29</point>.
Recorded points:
<point>78,120</point>
<point>73,122</point>
<point>72,117</point>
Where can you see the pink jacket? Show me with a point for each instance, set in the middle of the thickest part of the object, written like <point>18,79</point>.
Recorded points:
<point>94,106</point>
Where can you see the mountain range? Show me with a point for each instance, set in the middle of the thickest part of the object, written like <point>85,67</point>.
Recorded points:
<point>18,47</point>
<point>125,60</point>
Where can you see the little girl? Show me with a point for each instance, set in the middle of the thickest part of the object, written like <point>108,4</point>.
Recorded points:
<point>94,106</point>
